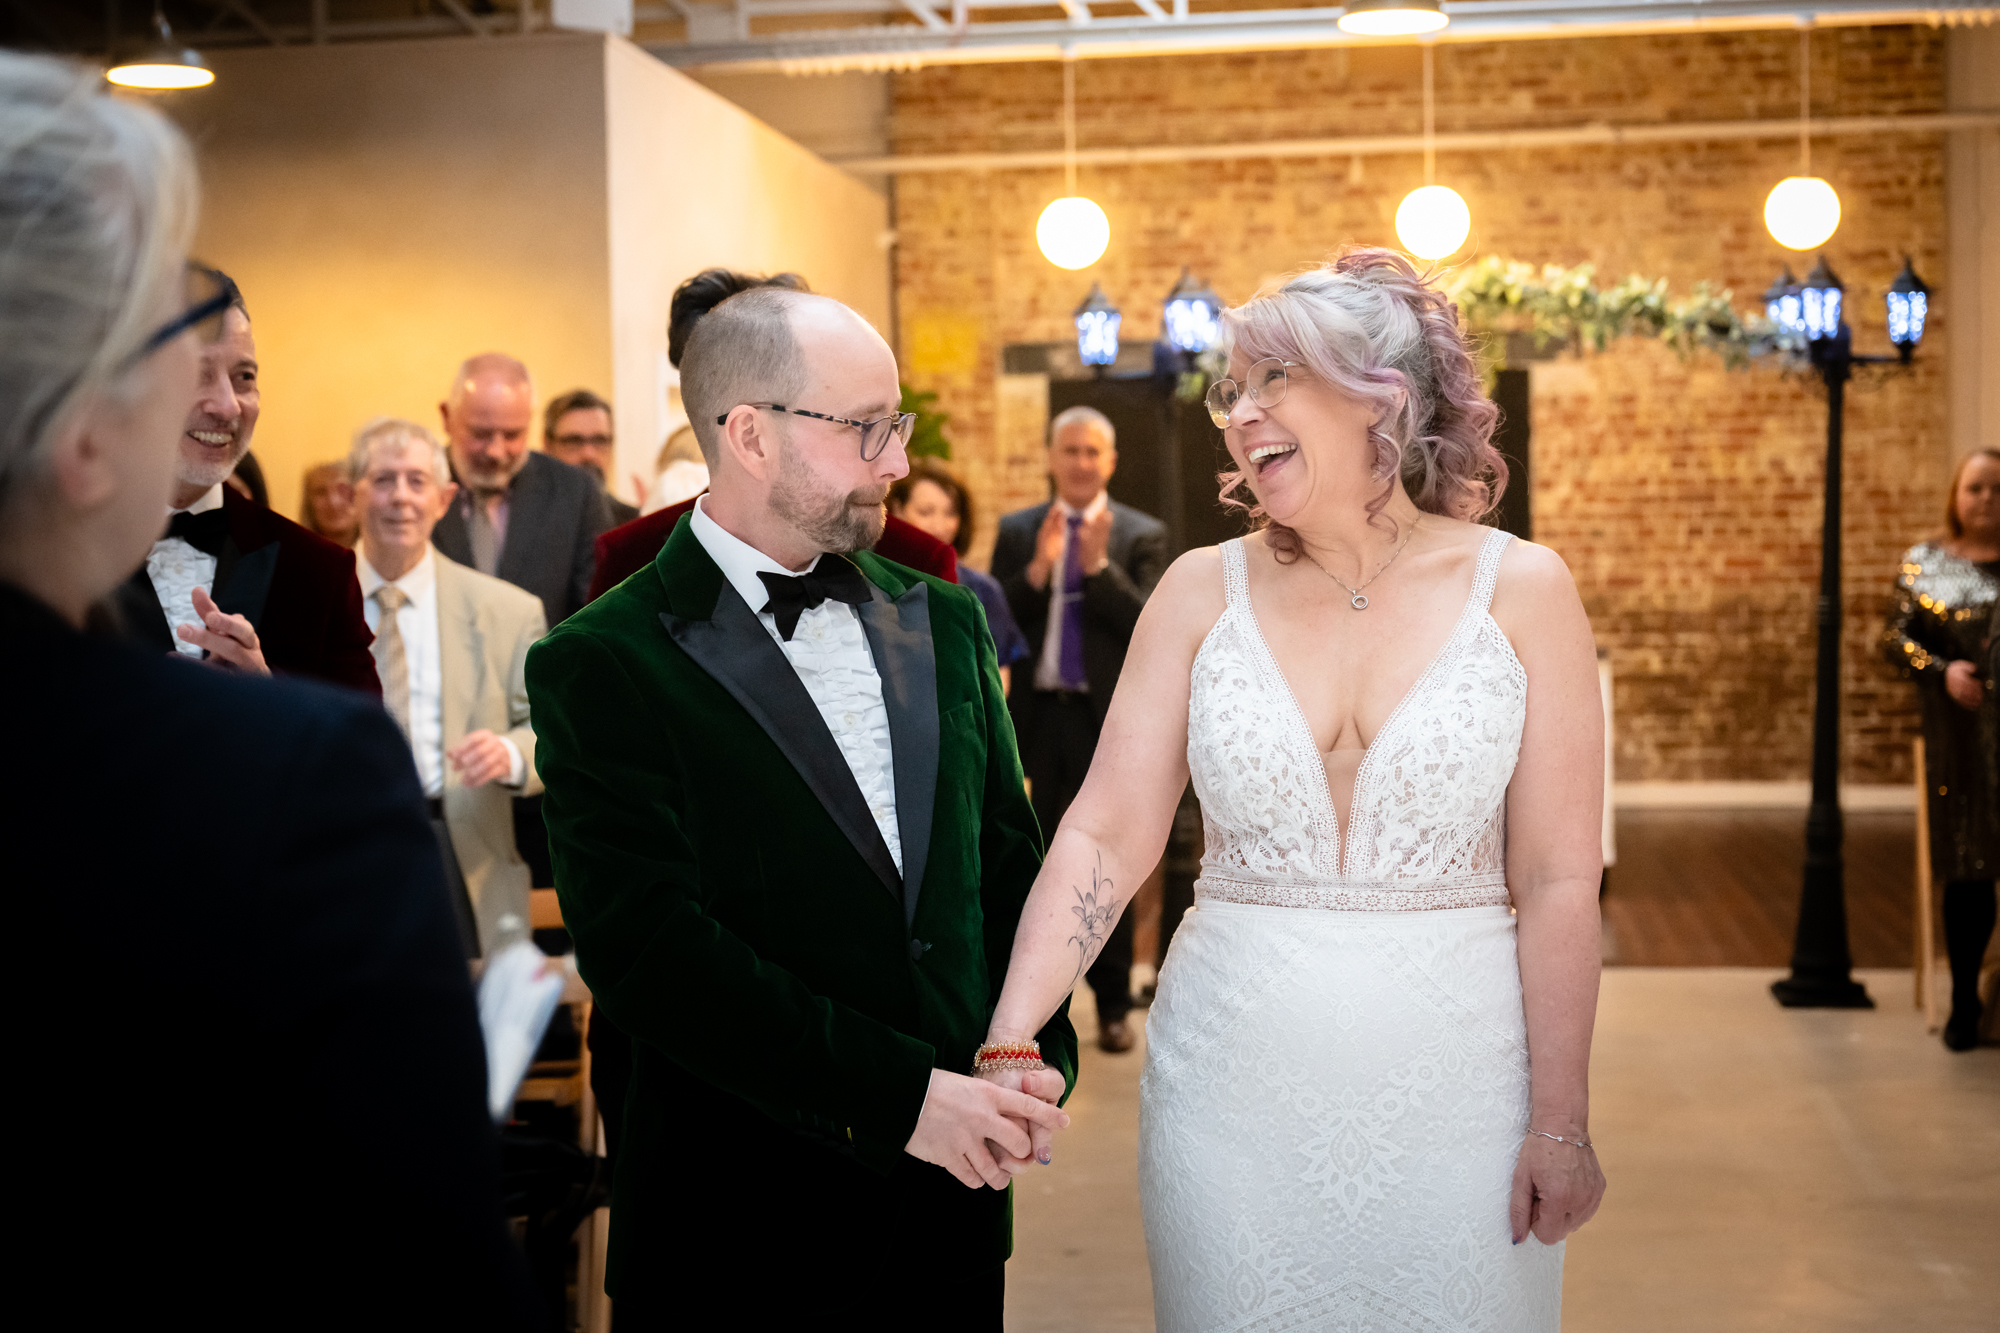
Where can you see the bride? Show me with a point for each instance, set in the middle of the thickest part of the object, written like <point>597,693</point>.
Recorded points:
<point>1364,1104</point>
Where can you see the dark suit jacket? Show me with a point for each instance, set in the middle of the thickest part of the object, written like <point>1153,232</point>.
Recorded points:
<point>297,589</point>
<point>620,512</point>
<point>624,551</point>
<point>1112,598</point>
<point>249,1002</point>
<point>736,910</point>
<point>554,513</point>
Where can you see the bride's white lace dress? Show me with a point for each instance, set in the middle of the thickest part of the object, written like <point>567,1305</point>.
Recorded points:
<point>1336,1082</point>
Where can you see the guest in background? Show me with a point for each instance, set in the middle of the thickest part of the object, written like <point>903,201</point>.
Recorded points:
<point>1077,571</point>
<point>932,498</point>
<point>576,428</point>
<point>1941,634</point>
<point>328,504</point>
<point>252,851</point>
<point>248,480</point>
<point>682,474</point>
<point>520,515</point>
<point>450,646</point>
<point>231,580</point>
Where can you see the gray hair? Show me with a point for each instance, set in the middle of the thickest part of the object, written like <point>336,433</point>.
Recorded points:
<point>98,199</point>
<point>741,351</point>
<point>506,369</point>
<point>395,433</point>
<point>1089,416</point>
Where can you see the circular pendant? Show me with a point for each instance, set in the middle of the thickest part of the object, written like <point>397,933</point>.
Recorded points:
<point>1360,602</point>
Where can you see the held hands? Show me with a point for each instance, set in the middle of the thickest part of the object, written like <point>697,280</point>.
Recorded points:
<point>1044,1083</point>
<point>229,639</point>
<point>962,1115</point>
<point>1962,683</point>
<point>480,758</point>
<point>1557,1187</point>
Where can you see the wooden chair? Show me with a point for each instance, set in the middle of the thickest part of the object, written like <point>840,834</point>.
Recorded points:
<point>1925,935</point>
<point>567,1083</point>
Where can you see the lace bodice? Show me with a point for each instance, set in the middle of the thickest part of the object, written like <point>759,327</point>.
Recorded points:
<point>1427,828</point>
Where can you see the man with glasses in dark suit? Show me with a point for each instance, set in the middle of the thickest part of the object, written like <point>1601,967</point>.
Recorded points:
<point>577,429</point>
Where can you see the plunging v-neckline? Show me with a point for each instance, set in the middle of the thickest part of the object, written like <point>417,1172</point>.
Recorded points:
<point>1341,841</point>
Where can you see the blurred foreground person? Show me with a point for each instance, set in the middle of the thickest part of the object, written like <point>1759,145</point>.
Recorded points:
<point>231,580</point>
<point>262,945</point>
<point>326,506</point>
<point>576,429</point>
<point>791,843</point>
<point>450,646</point>
<point>520,514</point>
<point>1941,633</point>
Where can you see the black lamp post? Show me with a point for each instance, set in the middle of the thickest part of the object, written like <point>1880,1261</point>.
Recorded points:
<point>1822,967</point>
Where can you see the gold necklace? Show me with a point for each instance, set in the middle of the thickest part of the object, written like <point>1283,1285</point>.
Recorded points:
<point>1354,597</point>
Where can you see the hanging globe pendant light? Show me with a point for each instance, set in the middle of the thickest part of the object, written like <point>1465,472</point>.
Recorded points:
<point>162,64</point>
<point>1072,231</point>
<point>1432,222</point>
<point>1802,211</point>
<point>1391,18</point>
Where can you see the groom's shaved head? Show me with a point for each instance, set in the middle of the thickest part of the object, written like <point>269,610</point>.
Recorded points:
<point>743,351</point>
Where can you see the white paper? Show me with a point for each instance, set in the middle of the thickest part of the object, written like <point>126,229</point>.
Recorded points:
<point>516,1001</point>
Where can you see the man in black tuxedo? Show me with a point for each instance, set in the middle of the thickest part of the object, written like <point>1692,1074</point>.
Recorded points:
<point>253,1024</point>
<point>230,580</point>
<point>1077,571</point>
<point>520,515</point>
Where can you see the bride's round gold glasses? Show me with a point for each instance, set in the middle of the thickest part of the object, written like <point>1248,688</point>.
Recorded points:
<point>1264,382</point>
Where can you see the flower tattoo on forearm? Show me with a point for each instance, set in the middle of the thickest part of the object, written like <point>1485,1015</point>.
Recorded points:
<point>1094,911</point>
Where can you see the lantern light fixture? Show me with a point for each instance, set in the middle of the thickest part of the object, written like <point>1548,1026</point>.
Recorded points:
<point>162,65</point>
<point>1781,303</point>
<point>1193,315</point>
<point>1819,302</point>
<point>1909,302</point>
<point>1097,329</point>
<point>1392,18</point>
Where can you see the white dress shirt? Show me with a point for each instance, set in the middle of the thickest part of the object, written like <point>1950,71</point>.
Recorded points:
<point>829,652</point>
<point>177,569</point>
<point>424,653</point>
<point>1048,667</point>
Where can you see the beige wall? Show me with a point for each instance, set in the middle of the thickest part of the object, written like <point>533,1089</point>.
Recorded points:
<point>695,183</point>
<point>389,209</point>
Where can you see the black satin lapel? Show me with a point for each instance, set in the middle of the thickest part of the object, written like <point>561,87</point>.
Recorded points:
<point>738,652</point>
<point>899,635</point>
<point>243,581</point>
<point>140,618</point>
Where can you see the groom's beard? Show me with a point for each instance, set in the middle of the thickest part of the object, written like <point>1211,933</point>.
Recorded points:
<point>833,520</point>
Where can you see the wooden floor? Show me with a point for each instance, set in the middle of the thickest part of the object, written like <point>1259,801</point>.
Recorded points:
<point>1715,888</point>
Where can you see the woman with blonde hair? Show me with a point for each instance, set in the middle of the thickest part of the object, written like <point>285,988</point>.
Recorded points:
<point>1364,1102</point>
<point>1941,634</point>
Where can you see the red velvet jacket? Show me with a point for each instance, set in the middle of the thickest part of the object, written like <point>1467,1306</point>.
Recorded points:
<point>623,551</point>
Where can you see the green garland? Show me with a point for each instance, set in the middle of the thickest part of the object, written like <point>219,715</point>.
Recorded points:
<point>1554,304</point>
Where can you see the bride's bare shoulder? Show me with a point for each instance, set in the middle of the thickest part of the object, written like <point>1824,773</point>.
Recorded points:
<point>1190,596</point>
<point>1533,584</point>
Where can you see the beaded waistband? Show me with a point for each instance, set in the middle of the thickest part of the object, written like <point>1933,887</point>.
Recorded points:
<point>1487,888</point>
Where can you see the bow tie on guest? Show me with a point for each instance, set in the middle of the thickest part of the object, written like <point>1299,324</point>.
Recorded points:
<point>206,531</point>
<point>832,579</point>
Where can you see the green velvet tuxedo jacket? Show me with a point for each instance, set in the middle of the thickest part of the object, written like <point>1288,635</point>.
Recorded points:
<point>736,911</point>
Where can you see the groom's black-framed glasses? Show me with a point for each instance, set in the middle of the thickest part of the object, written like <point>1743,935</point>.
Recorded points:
<point>210,293</point>
<point>875,435</point>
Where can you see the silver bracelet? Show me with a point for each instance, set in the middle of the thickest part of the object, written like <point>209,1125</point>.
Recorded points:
<point>1578,1142</point>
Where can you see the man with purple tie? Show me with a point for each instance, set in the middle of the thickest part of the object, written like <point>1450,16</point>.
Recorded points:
<point>1077,570</point>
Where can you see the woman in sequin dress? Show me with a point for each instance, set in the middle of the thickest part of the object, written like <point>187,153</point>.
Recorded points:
<point>1941,633</point>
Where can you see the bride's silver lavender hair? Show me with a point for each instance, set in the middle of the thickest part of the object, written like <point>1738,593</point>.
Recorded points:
<point>1372,327</point>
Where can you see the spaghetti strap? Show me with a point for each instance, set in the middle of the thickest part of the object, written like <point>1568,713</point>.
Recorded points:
<point>1487,575</point>
<point>1235,574</point>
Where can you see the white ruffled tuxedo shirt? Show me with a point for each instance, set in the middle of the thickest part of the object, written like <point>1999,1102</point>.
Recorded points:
<point>829,652</point>
<point>177,569</point>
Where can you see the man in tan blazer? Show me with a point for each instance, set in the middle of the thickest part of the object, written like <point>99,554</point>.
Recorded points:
<point>450,644</point>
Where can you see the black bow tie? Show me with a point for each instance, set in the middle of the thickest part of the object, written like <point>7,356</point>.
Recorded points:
<point>206,531</point>
<point>833,579</point>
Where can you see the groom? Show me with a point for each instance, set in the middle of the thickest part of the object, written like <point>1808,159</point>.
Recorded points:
<point>790,837</point>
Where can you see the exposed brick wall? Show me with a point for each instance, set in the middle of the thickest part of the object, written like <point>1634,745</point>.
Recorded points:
<point>1685,497</point>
